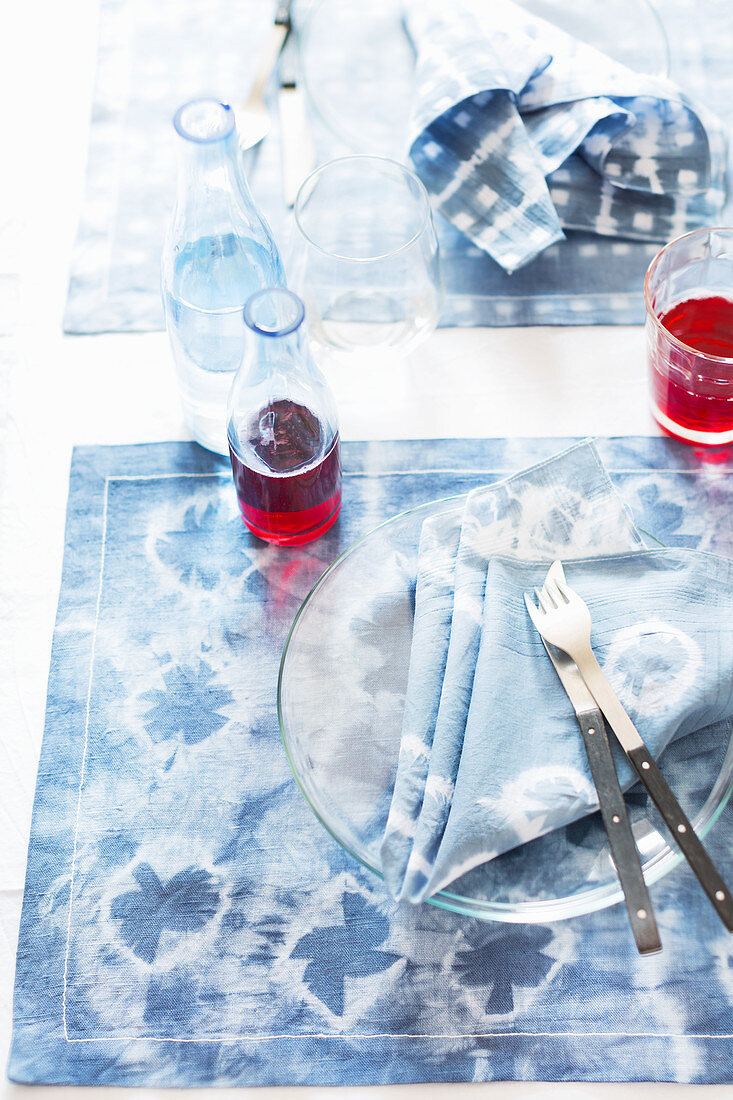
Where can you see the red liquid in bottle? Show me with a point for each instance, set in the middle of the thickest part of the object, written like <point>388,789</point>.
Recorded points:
<point>287,495</point>
<point>692,391</point>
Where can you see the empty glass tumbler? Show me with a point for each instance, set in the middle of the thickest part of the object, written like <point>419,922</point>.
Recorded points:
<point>218,251</point>
<point>365,258</point>
<point>282,428</point>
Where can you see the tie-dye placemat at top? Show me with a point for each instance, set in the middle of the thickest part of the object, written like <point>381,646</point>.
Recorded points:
<point>152,58</point>
<point>186,919</point>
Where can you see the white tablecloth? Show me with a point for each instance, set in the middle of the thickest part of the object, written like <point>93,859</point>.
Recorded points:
<point>56,391</point>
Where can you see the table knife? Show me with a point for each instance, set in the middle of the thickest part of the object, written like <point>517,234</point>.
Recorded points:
<point>621,840</point>
<point>296,143</point>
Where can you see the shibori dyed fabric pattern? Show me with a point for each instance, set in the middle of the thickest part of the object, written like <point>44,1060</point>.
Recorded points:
<point>186,919</point>
<point>521,130</point>
<point>562,507</point>
<point>477,774</point>
<point>473,780</point>
<point>151,58</point>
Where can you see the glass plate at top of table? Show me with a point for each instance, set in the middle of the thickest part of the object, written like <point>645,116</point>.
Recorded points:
<point>351,53</point>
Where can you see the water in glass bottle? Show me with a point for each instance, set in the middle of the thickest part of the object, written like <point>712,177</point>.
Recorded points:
<point>219,250</point>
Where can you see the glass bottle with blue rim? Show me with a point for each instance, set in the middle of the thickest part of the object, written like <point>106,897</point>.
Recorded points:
<point>282,427</point>
<point>218,251</point>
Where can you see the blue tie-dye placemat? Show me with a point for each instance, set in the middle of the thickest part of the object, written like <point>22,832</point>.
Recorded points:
<point>154,57</point>
<point>187,921</point>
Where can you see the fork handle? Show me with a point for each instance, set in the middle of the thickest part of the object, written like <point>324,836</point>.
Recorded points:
<point>621,840</point>
<point>679,825</point>
<point>282,15</point>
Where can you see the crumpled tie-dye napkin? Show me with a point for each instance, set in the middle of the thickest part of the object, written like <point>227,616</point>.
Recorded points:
<point>520,130</point>
<point>491,756</point>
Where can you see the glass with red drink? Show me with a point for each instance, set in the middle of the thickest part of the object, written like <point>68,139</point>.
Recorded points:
<point>689,325</point>
<point>282,429</point>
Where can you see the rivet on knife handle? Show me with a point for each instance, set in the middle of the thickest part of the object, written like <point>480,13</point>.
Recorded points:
<point>683,832</point>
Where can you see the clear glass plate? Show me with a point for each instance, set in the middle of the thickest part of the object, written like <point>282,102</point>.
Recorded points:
<point>351,52</point>
<point>340,702</point>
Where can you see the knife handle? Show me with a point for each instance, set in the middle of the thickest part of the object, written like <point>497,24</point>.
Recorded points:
<point>297,152</point>
<point>687,839</point>
<point>620,836</point>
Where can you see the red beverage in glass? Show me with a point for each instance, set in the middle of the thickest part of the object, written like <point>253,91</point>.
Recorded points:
<point>704,404</point>
<point>689,325</point>
<point>289,491</point>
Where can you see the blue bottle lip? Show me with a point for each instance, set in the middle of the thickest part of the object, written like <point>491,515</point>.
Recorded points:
<point>274,311</point>
<point>204,121</point>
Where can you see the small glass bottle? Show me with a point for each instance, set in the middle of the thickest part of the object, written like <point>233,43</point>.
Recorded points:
<point>218,251</point>
<point>282,428</point>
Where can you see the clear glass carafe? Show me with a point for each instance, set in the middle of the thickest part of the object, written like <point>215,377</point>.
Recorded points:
<point>218,251</point>
<point>282,427</point>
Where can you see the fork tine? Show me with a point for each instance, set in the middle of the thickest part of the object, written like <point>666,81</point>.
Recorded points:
<point>541,600</point>
<point>550,597</point>
<point>556,572</point>
<point>556,593</point>
<point>563,589</point>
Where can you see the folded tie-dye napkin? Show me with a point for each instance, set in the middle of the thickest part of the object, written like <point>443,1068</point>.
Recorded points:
<point>520,130</point>
<point>491,755</point>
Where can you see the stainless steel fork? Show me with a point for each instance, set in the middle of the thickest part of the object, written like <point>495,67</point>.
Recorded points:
<point>563,619</point>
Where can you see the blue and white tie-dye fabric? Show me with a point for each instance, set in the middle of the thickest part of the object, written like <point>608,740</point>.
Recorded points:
<point>520,131</point>
<point>516,763</point>
<point>153,57</point>
<point>477,774</point>
<point>188,921</point>
<point>566,505</point>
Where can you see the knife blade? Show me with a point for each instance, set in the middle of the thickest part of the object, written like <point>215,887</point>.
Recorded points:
<point>298,154</point>
<point>621,840</point>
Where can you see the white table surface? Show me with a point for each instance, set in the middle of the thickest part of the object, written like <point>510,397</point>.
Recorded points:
<point>56,391</point>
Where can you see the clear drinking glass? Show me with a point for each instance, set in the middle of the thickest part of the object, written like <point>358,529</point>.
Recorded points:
<point>689,327</point>
<point>366,256</point>
<point>218,251</point>
<point>282,427</point>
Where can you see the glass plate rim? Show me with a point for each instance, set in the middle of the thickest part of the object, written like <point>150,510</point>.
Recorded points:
<point>525,912</point>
